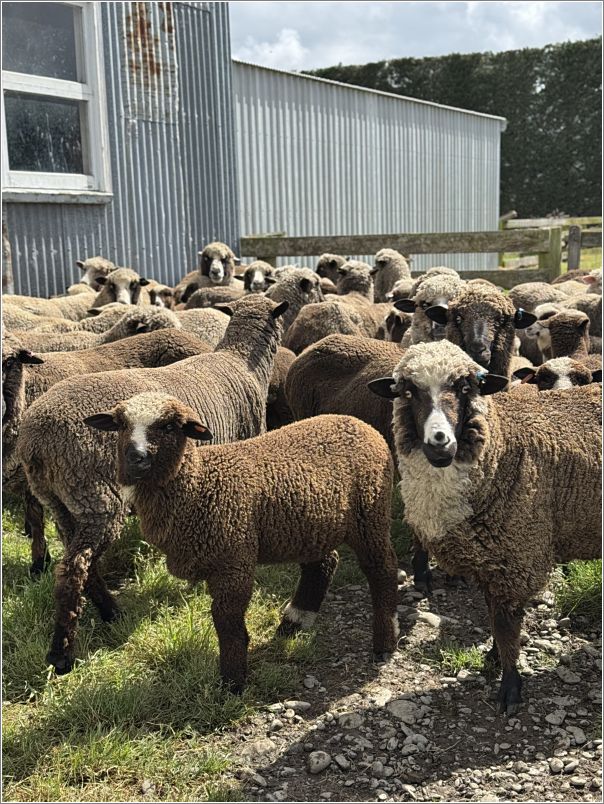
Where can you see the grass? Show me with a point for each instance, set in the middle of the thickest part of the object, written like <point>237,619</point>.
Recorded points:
<point>452,657</point>
<point>144,704</point>
<point>590,259</point>
<point>579,591</point>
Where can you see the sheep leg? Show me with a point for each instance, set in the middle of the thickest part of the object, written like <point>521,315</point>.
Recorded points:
<point>96,590</point>
<point>315,579</point>
<point>383,585</point>
<point>492,660</point>
<point>231,594</point>
<point>34,530</point>
<point>422,574</point>
<point>506,631</point>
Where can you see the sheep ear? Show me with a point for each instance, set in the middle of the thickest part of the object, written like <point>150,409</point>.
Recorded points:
<point>306,285</point>
<point>526,374</point>
<point>143,281</point>
<point>237,260</point>
<point>492,383</point>
<point>438,314</point>
<point>80,264</point>
<point>94,311</point>
<point>196,430</point>
<point>224,308</point>
<point>596,376</point>
<point>241,278</point>
<point>588,280</point>
<point>383,387</point>
<point>25,356</point>
<point>405,305</point>
<point>142,326</point>
<point>100,280</point>
<point>102,421</point>
<point>522,319</point>
<point>280,309</point>
<point>270,280</point>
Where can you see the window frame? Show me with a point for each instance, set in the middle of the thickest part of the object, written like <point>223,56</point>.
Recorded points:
<point>95,185</point>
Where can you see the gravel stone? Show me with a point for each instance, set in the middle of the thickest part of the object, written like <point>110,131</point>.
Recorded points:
<point>556,765</point>
<point>567,676</point>
<point>318,761</point>
<point>556,717</point>
<point>350,720</point>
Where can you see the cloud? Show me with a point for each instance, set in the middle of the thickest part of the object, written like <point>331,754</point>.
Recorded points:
<point>302,36</point>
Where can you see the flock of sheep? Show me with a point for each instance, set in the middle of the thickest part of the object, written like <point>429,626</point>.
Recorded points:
<point>258,416</point>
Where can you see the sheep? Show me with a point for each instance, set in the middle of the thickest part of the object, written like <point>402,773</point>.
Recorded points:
<point>394,326</point>
<point>210,297</point>
<point>528,295</point>
<point>331,376</point>
<point>594,281</point>
<point>297,286</point>
<point>390,267</point>
<point>161,295</point>
<point>73,474</point>
<point>535,338</point>
<point>322,483</point>
<point>328,287</point>
<point>481,480</point>
<point>13,317</point>
<point>573,274</point>
<point>122,285</point>
<point>187,285</point>
<point>436,287</point>
<point>558,373</point>
<point>591,305</point>
<point>278,411</point>
<point>158,348</point>
<point>257,277</point>
<point>317,321</point>
<point>355,289</point>
<point>92,268</point>
<point>401,290</point>
<point>217,265</point>
<point>132,322</point>
<point>209,324</point>
<point>483,322</point>
<point>568,336</point>
<point>327,266</point>
<point>74,308</point>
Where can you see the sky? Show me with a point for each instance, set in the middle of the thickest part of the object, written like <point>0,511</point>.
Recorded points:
<point>307,35</point>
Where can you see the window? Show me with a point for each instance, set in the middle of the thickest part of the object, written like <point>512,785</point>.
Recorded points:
<point>54,138</point>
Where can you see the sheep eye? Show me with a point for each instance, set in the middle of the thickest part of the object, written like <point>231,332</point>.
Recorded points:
<point>408,394</point>
<point>458,319</point>
<point>168,428</point>
<point>132,285</point>
<point>424,305</point>
<point>465,389</point>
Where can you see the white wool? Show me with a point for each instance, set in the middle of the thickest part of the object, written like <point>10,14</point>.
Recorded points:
<point>435,364</point>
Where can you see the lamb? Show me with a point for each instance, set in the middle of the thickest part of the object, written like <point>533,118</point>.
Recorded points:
<point>132,322</point>
<point>558,373</point>
<point>528,295</point>
<point>327,266</point>
<point>298,287</point>
<point>435,288</point>
<point>74,308</point>
<point>257,277</point>
<point>23,387</point>
<point>217,265</point>
<point>390,267</point>
<point>123,286</point>
<point>92,268</point>
<point>322,483</point>
<point>483,322</point>
<point>331,376</point>
<point>471,468</point>
<point>73,473</point>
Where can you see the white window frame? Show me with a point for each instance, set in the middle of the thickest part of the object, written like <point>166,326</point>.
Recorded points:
<point>94,186</point>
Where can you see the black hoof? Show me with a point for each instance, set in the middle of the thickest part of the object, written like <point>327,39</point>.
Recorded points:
<point>423,583</point>
<point>509,696</point>
<point>39,565</point>
<point>62,664</point>
<point>380,658</point>
<point>287,628</point>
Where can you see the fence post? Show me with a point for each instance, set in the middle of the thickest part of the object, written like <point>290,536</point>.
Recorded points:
<point>573,247</point>
<point>508,216</point>
<point>550,261</point>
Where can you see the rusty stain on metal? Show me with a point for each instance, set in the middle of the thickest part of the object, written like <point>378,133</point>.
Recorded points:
<point>167,23</point>
<point>143,45</point>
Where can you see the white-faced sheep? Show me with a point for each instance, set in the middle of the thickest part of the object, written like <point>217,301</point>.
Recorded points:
<point>73,473</point>
<point>257,277</point>
<point>92,269</point>
<point>559,373</point>
<point>472,467</point>
<point>122,286</point>
<point>390,267</point>
<point>435,288</point>
<point>534,339</point>
<point>310,487</point>
<point>216,265</point>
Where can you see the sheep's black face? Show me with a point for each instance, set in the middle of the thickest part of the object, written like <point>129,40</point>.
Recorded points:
<point>482,328</point>
<point>13,361</point>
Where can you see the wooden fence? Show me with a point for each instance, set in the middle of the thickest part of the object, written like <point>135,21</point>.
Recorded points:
<point>577,233</point>
<point>545,243</point>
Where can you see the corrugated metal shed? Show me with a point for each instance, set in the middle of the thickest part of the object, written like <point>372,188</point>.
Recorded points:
<point>169,97</point>
<point>318,157</point>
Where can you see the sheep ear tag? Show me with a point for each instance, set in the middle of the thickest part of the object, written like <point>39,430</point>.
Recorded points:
<point>405,305</point>
<point>491,383</point>
<point>383,387</point>
<point>101,421</point>
<point>197,431</point>
<point>522,319</point>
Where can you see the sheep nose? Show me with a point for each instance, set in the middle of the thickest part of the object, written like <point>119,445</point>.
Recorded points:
<point>442,439</point>
<point>480,352</point>
<point>136,457</point>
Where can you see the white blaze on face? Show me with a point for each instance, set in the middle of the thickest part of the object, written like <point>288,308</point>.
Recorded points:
<point>437,429</point>
<point>257,282</point>
<point>122,295</point>
<point>216,271</point>
<point>562,367</point>
<point>141,412</point>
<point>87,277</point>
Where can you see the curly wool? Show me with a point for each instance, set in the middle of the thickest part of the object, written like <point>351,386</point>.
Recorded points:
<point>437,287</point>
<point>13,318</point>
<point>317,321</point>
<point>208,324</point>
<point>591,305</point>
<point>298,287</point>
<point>390,267</point>
<point>528,295</point>
<point>73,308</point>
<point>210,296</point>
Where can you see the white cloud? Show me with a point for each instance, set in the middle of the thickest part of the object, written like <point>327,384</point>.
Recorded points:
<point>285,52</point>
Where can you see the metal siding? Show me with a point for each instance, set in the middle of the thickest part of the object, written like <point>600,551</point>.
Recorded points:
<point>172,150</point>
<point>341,160</point>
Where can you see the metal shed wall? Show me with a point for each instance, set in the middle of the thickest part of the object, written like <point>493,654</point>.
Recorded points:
<point>317,157</point>
<point>170,118</point>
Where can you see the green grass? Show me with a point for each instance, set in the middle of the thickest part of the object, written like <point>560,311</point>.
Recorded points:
<point>580,590</point>
<point>452,657</point>
<point>144,701</point>
<point>590,259</point>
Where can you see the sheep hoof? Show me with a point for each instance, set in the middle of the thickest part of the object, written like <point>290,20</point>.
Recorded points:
<point>509,697</point>
<point>287,628</point>
<point>61,663</point>
<point>39,565</point>
<point>423,583</point>
<point>380,658</point>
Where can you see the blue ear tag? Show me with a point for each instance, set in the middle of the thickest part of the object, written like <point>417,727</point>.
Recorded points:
<point>481,376</point>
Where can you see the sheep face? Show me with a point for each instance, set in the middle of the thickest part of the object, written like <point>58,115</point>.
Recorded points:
<point>162,296</point>
<point>93,268</point>
<point>355,276</point>
<point>542,312</point>
<point>328,264</point>
<point>14,357</point>
<point>152,434</point>
<point>438,408</point>
<point>258,277</point>
<point>217,262</point>
<point>122,286</point>
<point>561,372</point>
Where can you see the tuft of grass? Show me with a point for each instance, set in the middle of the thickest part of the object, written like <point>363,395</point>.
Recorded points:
<point>580,589</point>
<point>452,657</point>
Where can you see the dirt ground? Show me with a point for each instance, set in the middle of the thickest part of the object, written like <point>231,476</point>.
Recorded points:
<point>413,730</point>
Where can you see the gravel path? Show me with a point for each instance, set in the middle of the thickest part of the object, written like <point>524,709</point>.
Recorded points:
<point>407,731</point>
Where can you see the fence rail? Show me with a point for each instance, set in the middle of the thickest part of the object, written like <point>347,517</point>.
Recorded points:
<point>545,243</point>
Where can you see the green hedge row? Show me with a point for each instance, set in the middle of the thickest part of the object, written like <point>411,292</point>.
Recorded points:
<point>551,151</point>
